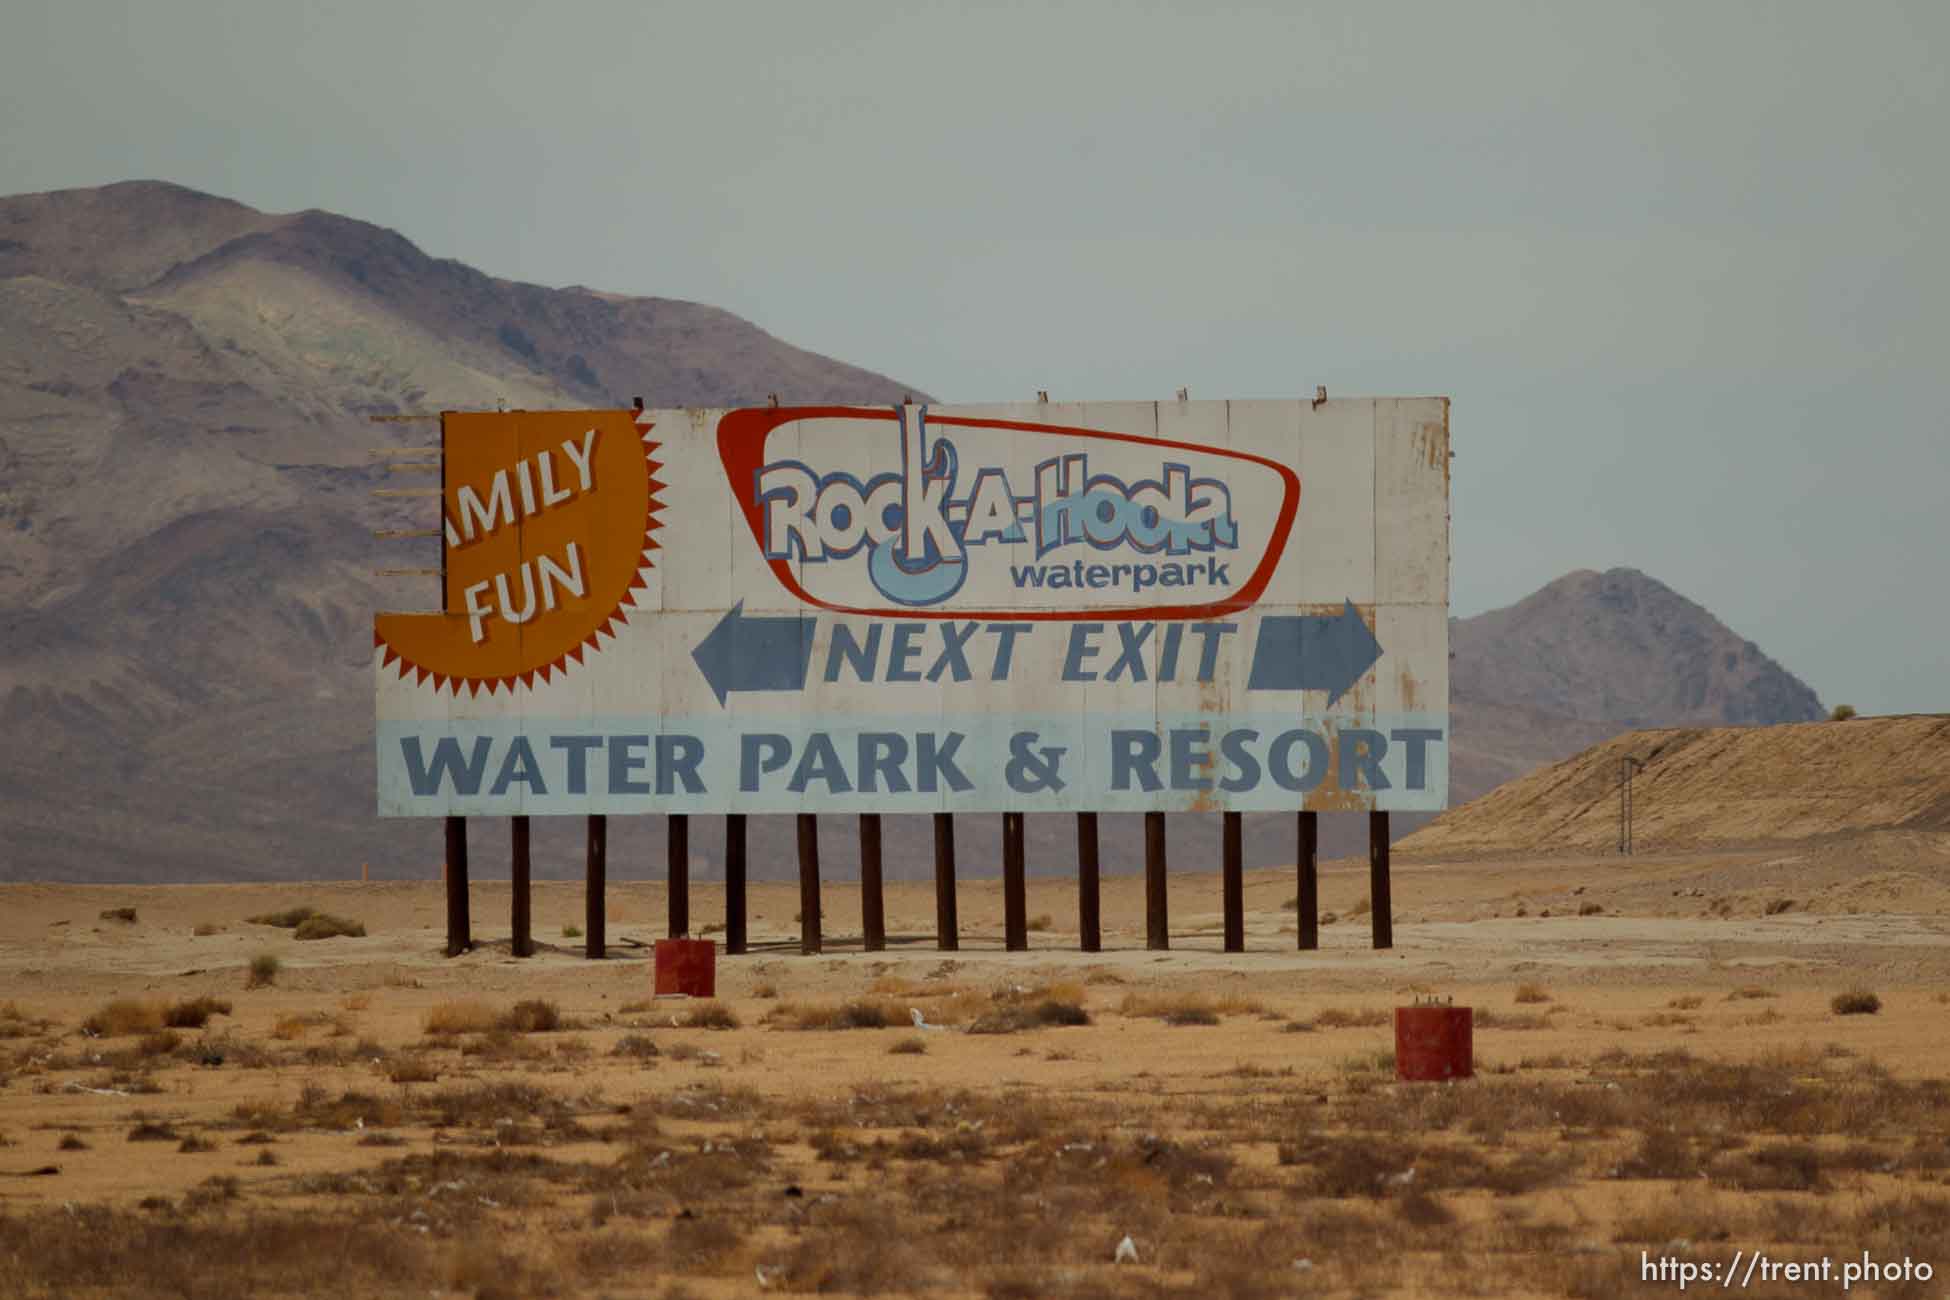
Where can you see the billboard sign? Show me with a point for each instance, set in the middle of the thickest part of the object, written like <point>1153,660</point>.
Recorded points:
<point>1038,607</point>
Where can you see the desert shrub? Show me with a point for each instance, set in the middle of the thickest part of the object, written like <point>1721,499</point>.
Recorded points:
<point>1841,713</point>
<point>125,1016</point>
<point>1661,1153</point>
<point>1528,993</point>
<point>1420,1210</point>
<point>1783,1167</point>
<point>148,1130</point>
<point>126,915</point>
<point>61,1252</point>
<point>204,929</point>
<point>323,926</point>
<point>1589,909</point>
<point>1043,1012</point>
<point>859,1014</point>
<point>194,1013</point>
<point>635,1046</point>
<point>863,1014</point>
<point>1040,923</point>
<point>531,1016</point>
<point>710,1015</point>
<point>412,1069</point>
<point>15,1023</point>
<point>289,919</point>
<point>912,1045</point>
<point>161,1043</point>
<point>571,932</point>
<point>1856,1002</point>
<point>700,1243</point>
<point>1686,1002</point>
<point>1187,1008</point>
<point>264,970</point>
<point>1751,991</point>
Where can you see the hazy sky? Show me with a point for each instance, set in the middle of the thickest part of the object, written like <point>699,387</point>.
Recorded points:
<point>1682,267</point>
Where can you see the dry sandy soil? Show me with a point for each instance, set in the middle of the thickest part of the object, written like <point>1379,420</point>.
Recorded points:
<point>1664,1074</point>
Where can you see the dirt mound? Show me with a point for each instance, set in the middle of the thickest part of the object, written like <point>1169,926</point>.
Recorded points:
<point>1723,785</point>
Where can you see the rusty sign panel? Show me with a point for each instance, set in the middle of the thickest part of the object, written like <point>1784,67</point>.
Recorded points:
<point>1126,606</point>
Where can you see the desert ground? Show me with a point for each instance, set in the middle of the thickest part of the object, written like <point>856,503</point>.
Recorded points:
<point>1661,1072</point>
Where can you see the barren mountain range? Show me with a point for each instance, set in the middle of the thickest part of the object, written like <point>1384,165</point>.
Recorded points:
<point>187,561</point>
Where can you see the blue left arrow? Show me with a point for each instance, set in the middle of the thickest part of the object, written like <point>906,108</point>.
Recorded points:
<point>756,654</point>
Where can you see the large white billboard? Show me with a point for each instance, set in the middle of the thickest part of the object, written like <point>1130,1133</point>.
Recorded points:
<point>1123,606</point>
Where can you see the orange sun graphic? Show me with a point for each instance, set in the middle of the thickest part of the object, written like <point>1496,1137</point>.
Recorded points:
<point>549,522</point>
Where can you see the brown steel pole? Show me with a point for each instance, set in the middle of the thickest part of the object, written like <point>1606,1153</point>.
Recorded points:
<point>947,935</point>
<point>459,935</point>
<point>873,900</point>
<point>521,910</point>
<point>1233,888</point>
<point>1378,891</point>
<point>1089,928</point>
<point>808,884</point>
<point>734,883</point>
<point>677,859</point>
<point>1157,917</point>
<point>1015,888</point>
<point>595,940</point>
<point>1308,870</point>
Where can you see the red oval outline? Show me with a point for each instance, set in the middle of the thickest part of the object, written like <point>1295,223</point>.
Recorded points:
<point>741,446</point>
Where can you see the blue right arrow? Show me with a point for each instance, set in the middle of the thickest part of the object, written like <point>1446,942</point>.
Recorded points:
<point>1313,652</point>
<point>755,654</point>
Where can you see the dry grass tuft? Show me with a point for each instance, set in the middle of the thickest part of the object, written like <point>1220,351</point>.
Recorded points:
<point>1528,993</point>
<point>461,1017</point>
<point>264,970</point>
<point>1361,1018</point>
<point>194,1013</point>
<point>1751,991</point>
<point>912,1045</point>
<point>1855,1002</point>
<point>125,1016</point>
<point>635,1046</point>
<point>293,1027</point>
<point>126,915</point>
<point>531,1016</point>
<point>1686,1002</point>
<point>1040,923</point>
<point>204,929</point>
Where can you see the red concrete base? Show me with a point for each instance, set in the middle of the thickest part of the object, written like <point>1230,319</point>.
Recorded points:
<point>1433,1043</point>
<point>688,966</point>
